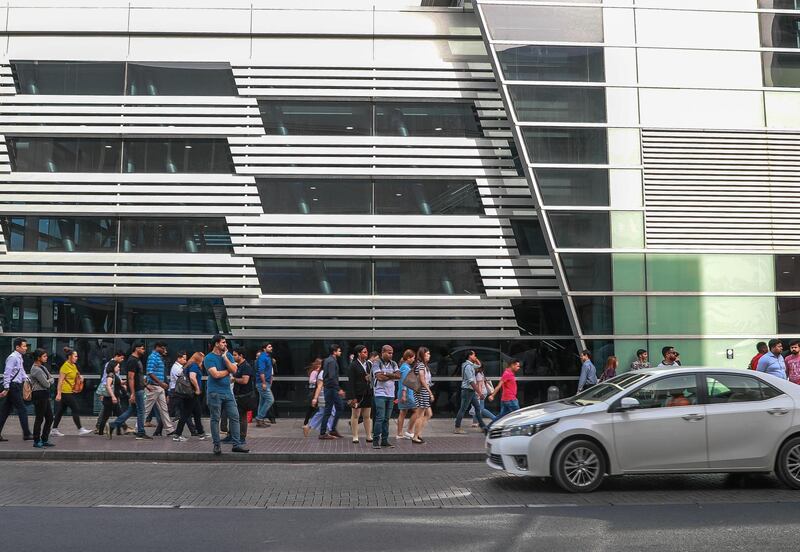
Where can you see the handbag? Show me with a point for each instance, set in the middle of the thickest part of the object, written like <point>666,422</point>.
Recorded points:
<point>102,390</point>
<point>77,386</point>
<point>412,381</point>
<point>27,391</point>
<point>183,386</point>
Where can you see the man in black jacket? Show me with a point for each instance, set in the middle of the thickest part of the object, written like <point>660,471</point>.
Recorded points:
<point>333,394</point>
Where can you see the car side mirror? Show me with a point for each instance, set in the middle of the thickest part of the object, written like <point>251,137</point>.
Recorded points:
<point>628,403</point>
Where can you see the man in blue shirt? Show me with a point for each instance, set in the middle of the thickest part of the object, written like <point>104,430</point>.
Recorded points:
<point>13,377</point>
<point>471,392</point>
<point>264,385</point>
<point>155,388</point>
<point>588,371</point>
<point>772,363</point>
<point>220,366</point>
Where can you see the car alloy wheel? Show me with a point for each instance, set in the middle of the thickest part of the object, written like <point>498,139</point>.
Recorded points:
<point>581,466</point>
<point>578,466</point>
<point>788,464</point>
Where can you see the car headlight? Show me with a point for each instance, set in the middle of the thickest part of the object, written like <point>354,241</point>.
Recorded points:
<point>527,429</point>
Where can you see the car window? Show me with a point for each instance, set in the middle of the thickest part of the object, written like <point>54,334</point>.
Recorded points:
<point>729,388</point>
<point>671,391</point>
<point>607,389</point>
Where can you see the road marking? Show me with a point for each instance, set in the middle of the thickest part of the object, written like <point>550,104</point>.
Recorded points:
<point>143,506</point>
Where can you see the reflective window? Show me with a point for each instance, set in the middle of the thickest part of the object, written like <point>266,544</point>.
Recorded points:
<point>779,4</point>
<point>529,237</point>
<point>595,314</point>
<point>781,69</point>
<point>667,392</point>
<point>52,234</point>
<point>188,235</point>
<point>283,117</point>
<point>544,23</point>
<point>49,154</point>
<point>314,276</point>
<point>427,197</point>
<point>71,315</point>
<point>69,77</point>
<point>780,30</point>
<point>587,187</point>
<point>541,317</point>
<point>566,145</point>
<point>787,272</point>
<point>580,229</point>
<point>180,79</point>
<point>552,63</point>
<point>178,155</point>
<point>789,315</point>
<point>559,104</point>
<point>310,196</point>
<point>587,271</point>
<point>165,315</point>
<point>427,277</point>
<point>727,388</point>
<point>426,119</point>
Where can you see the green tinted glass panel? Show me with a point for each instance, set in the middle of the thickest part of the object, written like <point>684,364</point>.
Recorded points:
<point>628,270</point>
<point>707,352</point>
<point>625,351</point>
<point>627,229</point>
<point>630,315</point>
<point>711,315</point>
<point>726,272</point>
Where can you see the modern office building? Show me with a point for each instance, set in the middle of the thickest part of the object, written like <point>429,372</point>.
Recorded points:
<point>521,178</point>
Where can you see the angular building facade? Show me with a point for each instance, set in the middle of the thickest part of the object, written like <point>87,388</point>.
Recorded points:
<point>300,173</point>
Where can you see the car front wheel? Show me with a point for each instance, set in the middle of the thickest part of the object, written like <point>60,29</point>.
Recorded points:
<point>788,465</point>
<point>578,466</point>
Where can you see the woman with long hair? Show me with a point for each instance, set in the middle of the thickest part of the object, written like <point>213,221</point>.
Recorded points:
<point>190,406</point>
<point>486,390</point>
<point>313,371</point>
<point>406,401</point>
<point>65,394</point>
<point>424,397</point>
<point>41,380</point>
<point>359,392</point>
<point>610,370</point>
<point>111,397</point>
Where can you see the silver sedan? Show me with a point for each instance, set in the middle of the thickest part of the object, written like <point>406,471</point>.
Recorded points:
<point>686,420</point>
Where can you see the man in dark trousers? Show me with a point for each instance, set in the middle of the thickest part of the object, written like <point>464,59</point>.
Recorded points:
<point>333,393</point>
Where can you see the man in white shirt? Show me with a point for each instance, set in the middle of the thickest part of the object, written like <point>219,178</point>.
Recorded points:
<point>384,374</point>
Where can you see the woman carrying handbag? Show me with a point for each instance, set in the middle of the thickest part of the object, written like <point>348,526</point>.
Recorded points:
<point>70,383</point>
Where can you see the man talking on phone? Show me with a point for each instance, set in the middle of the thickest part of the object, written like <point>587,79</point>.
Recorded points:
<point>220,366</point>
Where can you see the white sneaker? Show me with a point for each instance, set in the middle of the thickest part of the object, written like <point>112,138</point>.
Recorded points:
<point>56,433</point>
<point>84,431</point>
<point>180,439</point>
<point>408,435</point>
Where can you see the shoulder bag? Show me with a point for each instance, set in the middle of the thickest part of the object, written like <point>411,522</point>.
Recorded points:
<point>183,386</point>
<point>77,386</point>
<point>412,381</point>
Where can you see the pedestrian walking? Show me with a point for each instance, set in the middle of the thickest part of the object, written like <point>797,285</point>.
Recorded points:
<point>423,397</point>
<point>110,389</point>
<point>384,373</point>
<point>109,366</point>
<point>318,399</point>
<point>135,371</point>
<point>406,401</point>
<point>244,391</point>
<point>264,368</point>
<point>69,383</point>
<point>610,370</point>
<point>190,405</point>
<point>333,394</point>
<point>14,377</point>
<point>588,377</point>
<point>508,389</point>
<point>174,402</point>
<point>313,371</point>
<point>772,363</point>
<point>792,361</point>
<point>41,380</point>
<point>669,355</point>
<point>761,350</point>
<point>220,366</point>
<point>359,392</point>
<point>156,386</point>
<point>641,362</point>
<point>486,388</point>
<point>470,392</point>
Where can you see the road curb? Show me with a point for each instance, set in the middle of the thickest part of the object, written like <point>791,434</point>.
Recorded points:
<point>264,457</point>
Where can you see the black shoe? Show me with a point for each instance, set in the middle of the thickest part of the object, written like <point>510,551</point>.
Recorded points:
<point>3,439</point>
<point>387,444</point>
<point>143,437</point>
<point>375,445</point>
<point>240,448</point>
<point>217,450</point>
<point>227,440</point>
<point>157,435</point>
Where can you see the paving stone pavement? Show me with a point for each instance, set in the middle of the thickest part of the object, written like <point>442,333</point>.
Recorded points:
<point>351,486</point>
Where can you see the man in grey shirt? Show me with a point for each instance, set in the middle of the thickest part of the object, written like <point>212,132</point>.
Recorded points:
<point>471,393</point>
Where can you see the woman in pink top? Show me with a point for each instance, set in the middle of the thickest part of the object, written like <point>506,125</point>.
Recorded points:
<point>508,385</point>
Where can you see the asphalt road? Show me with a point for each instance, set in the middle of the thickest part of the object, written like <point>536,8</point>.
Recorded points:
<point>311,507</point>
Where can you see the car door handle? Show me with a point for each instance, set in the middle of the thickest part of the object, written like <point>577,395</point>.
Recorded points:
<point>693,417</point>
<point>778,411</point>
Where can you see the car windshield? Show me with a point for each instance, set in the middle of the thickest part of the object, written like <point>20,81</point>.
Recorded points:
<point>607,389</point>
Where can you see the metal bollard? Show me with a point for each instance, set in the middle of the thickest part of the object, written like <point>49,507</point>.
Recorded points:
<point>552,393</point>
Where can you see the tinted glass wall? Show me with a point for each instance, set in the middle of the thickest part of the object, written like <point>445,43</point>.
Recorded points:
<point>545,23</point>
<point>59,233</point>
<point>559,104</point>
<point>176,155</point>
<point>341,196</point>
<point>187,235</point>
<point>365,277</point>
<point>565,187</point>
<point>326,118</point>
<point>529,237</point>
<point>118,78</point>
<point>567,145</point>
<point>552,63</point>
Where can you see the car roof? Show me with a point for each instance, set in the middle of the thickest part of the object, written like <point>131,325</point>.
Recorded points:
<point>696,369</point>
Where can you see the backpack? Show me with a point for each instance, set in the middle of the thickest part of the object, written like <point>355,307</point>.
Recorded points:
<point>183,385</point>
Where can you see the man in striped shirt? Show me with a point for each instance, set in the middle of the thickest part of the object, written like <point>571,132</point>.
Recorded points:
<point>13,377</point>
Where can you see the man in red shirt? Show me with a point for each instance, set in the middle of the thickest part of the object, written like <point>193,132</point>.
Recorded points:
<point>793,362</point>
<point>508,384</point>
<point>762,350</point>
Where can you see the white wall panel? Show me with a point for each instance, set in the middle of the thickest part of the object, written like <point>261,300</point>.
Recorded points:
<point>317,22</point>
<point>63,19</point>
<point>699,68</point>
<point>620,66</point>
<point>697,29</point>
<point>624,146</point>
<point>193,20</point>
<point>701,108</point>
<point>625,186</point>
<point>159,48</point>
<point>112,48</point>
<point>699,4</point>
<point>312,51</point>
<point>426,24</point>
<point>619,28</point>
<point>783,110</point>
<point>622,106</point>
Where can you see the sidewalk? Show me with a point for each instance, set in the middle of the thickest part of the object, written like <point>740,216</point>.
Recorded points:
<point>283,442</point>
